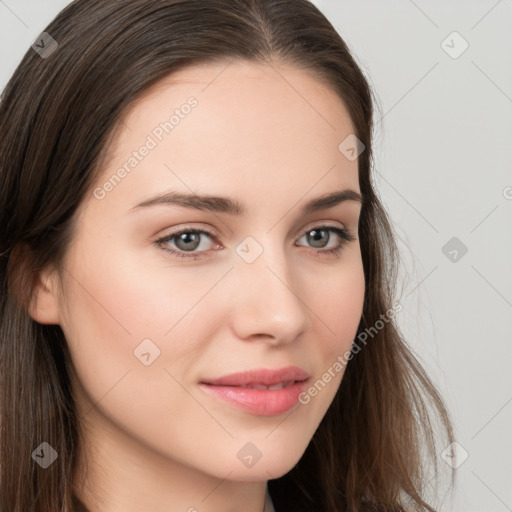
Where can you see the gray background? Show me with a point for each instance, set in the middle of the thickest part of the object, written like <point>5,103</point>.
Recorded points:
<point>443,153</point>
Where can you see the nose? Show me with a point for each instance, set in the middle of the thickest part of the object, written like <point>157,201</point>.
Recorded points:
<point>267,300</point>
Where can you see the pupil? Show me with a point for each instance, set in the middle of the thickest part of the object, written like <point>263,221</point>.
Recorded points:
<point>317,232</point>
<point>187,238</point>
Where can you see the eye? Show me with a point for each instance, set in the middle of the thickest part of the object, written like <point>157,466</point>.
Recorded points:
<point>188,240</point>
<point>321,235</point>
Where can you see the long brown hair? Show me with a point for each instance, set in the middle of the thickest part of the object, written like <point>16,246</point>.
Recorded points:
<point>57,115</point>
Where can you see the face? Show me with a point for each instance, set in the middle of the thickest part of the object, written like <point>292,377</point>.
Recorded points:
<point>158,297</point>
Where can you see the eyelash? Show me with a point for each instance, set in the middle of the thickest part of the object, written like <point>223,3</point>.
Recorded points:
<point>344,235</point>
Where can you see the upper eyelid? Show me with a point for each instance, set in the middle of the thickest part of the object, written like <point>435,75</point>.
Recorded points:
<point>214,233</point>
<point>214,236</point>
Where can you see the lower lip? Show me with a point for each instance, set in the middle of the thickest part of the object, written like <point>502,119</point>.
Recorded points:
<point>263,402</point>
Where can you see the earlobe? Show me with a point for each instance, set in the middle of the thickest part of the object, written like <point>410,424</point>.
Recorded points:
<point>44,306</point>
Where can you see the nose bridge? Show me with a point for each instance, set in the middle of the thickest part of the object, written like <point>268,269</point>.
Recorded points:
<point>268,302</point>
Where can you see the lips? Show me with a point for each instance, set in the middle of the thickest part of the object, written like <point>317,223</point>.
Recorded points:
<point>281,385</point>
<point>263,392</point>
<point>262,378</point>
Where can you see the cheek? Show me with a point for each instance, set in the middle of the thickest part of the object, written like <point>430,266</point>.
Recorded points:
<point>121,313</point>
<point>108,316</point>
<point>339,306</point>
<point>131,296</point>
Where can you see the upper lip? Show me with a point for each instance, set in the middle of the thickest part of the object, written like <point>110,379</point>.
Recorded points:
<point>261,376</point>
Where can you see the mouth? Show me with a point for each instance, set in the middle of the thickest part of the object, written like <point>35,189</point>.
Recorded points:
<point>262,392</point>
<point>280,385</point>
<point>262,378</point>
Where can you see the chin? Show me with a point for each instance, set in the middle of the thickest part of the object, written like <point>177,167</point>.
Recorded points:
<point>274,465</point>
<point>260,474</point>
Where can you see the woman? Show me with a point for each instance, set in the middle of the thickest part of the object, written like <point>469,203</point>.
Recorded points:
<point>261,368</point>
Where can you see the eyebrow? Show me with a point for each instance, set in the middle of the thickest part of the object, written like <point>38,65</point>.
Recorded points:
<point>233,207</point>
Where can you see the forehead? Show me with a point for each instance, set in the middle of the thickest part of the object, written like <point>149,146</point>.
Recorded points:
<point>248,78</point>
<point>230,96</point>
<point>270,125</point>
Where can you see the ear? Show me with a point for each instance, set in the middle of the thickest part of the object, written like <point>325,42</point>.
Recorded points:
<point>44,304</point>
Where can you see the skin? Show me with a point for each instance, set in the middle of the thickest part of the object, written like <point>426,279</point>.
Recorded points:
<point>267,136</point>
